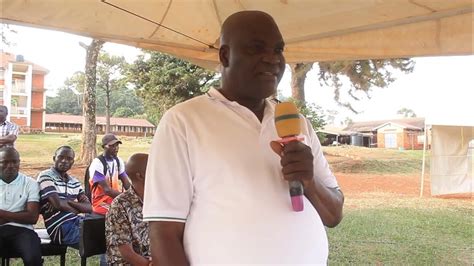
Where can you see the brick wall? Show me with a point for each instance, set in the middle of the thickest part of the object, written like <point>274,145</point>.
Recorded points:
<point>38,81</point>
<point>36,120</point>
<point>20,121</point>
<point>37,99</point>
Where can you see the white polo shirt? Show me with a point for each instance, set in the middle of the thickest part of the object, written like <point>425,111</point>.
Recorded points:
<point>15,195</point>
<point>211,167</point>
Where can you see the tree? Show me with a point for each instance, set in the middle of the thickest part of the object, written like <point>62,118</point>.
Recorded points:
<point>348,121</point>
<point>406,112</point>
<point>162,81</point>
<point>124,111</point>
<point>89,134</point>
<point>298,77</point>
<point>5,30</point>
<point>110,78</point>
<point>363,75</point>
<point>68,98</point>
<point>314,114</point>
<point>331,116</point>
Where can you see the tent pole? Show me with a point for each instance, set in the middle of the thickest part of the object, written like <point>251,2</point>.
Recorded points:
<point>423,163</point>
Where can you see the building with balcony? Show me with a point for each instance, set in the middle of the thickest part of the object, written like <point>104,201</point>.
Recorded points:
<point>22,91</point>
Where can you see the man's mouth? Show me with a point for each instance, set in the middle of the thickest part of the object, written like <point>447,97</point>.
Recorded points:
<point>269,73</point>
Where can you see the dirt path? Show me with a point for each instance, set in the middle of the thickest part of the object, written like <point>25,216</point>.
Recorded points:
<point>353,185</point>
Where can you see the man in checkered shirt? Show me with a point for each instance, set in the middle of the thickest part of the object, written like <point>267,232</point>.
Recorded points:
<point>8,130</point>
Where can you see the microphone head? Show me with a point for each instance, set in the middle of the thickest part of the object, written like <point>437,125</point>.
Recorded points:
<point>287,119</point>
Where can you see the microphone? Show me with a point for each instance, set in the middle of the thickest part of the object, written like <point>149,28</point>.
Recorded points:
<point>287,123</point>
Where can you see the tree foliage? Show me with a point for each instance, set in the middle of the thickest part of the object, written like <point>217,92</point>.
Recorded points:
<point>162,81</point>
<point>68,98</point>
<point>109,78</point>
<point>362,75</point>
<point>406,112</point>
<point>5,33</point>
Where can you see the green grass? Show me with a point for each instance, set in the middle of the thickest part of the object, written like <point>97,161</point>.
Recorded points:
<point>403,236</point>
<point>377,229</point>
<point>351,159</point>
<point>39,148</point>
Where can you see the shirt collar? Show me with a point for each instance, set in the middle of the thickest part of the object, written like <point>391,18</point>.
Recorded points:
<point>134,194</point>
<point>215,94</point>
<point>59,175</point>
<point>16,180</point>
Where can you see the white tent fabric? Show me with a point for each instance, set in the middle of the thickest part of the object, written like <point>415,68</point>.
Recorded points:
<point>314,30</point>
<point>451,165</point>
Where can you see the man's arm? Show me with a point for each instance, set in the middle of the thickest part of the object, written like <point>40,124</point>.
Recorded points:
<point>130,256</point>
<point>28,216</point>
<point>125,181</point>
<point>82,205</point>
<point>167,243</point>
<point>8,139</point>
<point>107,189</point>
<point>60,204</point>
<point>123,175</point>
<point>297,164</point>
<point>327,201</point>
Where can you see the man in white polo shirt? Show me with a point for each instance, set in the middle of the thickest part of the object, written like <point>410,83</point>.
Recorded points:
<point>215,191</point>
<point>19,209</point>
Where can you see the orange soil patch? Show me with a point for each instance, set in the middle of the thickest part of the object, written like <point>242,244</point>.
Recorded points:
<point>352,185</point>
<point>409,185</point>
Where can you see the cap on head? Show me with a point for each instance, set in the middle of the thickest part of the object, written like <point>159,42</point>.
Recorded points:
<point>110,139</point>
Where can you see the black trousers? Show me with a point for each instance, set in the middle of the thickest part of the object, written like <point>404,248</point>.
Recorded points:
<point>22,241</point>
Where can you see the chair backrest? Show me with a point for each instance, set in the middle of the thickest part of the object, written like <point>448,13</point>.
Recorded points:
<point>92,240</point>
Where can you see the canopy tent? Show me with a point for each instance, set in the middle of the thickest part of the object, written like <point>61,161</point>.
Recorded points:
<point>452,150</point>
<point>314,30</point>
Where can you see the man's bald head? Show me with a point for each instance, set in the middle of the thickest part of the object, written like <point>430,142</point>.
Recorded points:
<point>136,167</point>
<point>241,21</point>
<point>251,57</point>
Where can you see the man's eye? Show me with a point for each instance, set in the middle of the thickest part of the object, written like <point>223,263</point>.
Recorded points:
<point>279,50</point>
<point>256,48</point>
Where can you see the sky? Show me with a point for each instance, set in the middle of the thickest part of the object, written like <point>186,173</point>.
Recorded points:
<point>438,88</point>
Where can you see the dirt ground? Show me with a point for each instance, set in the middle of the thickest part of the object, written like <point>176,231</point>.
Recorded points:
<point>353,185</point>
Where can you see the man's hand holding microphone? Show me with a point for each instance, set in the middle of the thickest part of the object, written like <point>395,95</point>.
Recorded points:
<point>296,157</point>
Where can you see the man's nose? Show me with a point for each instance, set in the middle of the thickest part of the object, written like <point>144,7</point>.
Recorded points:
<point>272,57</point>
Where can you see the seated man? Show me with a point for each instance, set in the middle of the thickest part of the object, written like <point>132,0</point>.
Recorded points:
<point>105,172</point>
<point>62,199</point>
<point>19,209</point>
<point>126,233</point>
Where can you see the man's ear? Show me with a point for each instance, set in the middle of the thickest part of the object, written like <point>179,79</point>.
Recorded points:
<point>224,55</point>
<point>141,176</point>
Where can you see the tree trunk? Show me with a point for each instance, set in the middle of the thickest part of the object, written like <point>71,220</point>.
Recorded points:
<point>107,107</point>
<point>298,77</point>
<point>89,131</point>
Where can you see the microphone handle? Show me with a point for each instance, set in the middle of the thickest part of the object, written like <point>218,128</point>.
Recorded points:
<point>296,194</point>
<point>296,187</point>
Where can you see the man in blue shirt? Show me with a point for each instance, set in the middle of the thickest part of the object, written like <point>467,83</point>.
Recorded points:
<point>19,209</point>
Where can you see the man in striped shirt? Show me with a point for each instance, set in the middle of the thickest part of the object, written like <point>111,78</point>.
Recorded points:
<point>62,199</point>
<point>8,130</point>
